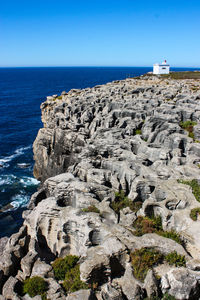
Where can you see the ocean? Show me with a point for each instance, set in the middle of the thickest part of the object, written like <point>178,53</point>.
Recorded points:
<point>22,90</point>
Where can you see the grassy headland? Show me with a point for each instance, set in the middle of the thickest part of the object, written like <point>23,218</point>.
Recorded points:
<point>179,75</point>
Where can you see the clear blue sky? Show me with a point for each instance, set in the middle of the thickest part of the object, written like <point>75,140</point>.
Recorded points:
<point>99,33</point>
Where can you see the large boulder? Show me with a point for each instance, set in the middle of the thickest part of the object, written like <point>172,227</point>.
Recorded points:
<point>42,269</point>
<point>181,283</point>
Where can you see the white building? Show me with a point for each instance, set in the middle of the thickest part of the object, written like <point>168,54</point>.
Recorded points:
<point>161,68</point>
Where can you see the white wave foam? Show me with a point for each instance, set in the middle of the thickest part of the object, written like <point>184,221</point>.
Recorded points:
<point>7,179</point>
<point>24,181</point>
<point>19,200</point>
<point>27,181</point>
<point>17,152</point>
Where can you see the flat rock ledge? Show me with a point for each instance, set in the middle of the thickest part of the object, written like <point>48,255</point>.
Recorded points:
<point>125,135</point>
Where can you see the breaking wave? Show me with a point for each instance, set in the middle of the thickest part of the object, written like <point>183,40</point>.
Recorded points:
<point>19,200</point>
<point>27,181</point>
<point>7,179</point>
<point>4,162</point>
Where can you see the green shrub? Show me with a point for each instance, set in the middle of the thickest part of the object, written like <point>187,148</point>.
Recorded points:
<point>168,297</point>
<point>194,185</point>
<point>188,125</point>
<point>144,259</point>
<point>35,286</point>
<point>138,131</point>
<point>173,235</point>
<point>72,282</point>
<point>191,135</point>
<point>121,201</point>
<point>68,270</point>
<point>62,265</point>
<point>59,97</point>
<point>91,208</point>
<point>144,225</point>
<point>176,259</point>
<point>135,206</point>
<point>194,213</point>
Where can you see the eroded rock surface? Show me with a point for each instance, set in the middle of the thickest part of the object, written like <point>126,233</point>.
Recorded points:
<point>125,135</point>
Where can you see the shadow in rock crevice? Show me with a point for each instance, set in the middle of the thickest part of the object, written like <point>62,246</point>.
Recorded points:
<point>43,249</point>
<point>117,270</point>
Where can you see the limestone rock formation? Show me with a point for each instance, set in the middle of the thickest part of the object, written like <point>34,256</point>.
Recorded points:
<point>128,136</point>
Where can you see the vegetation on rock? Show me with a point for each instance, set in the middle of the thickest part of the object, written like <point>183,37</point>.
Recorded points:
<point>176,259</point>
<point>194,185</point>
<point>72,282</point>
<point>175,75</point>
<point>62,265</point>
<point>145,225</point>
<point>173,235</point>
<point>91,208</point>
<point>182,75</point>
<point>188,125</point>
<point>166,296</point>
<point>121,201</point>
<point>138,131</point>
<point>68,270</point>
<point>35,286</point>
<point>194,213</point>
<point>144,259</point>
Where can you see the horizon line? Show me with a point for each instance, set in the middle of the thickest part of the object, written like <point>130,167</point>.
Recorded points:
<point>2,67</point>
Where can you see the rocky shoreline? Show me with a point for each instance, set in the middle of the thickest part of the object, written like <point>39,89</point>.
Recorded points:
<point>119,166</point>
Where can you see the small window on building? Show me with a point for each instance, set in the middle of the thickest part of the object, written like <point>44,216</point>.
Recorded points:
<point>164,68</point>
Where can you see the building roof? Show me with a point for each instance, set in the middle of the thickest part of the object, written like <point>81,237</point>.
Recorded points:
<point>162,65</point>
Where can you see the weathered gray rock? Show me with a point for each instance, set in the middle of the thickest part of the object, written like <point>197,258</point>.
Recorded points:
<point>7,265</point>
<point>193,264</point>
<point>55,291</point>
<point>131,288</point>
<point>196,131</point>
<point>3,242</point>
<point>81,295</point>
<point>40,268</point>
<point>36,198</point>
<point>10,288</point>
<point>109,292</point>
<point>27,297</point>
<point>181,284</point>
<point>27,263</point>
<point>151,284</point>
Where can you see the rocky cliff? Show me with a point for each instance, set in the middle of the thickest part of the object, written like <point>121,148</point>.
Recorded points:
<point>119,166</point>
